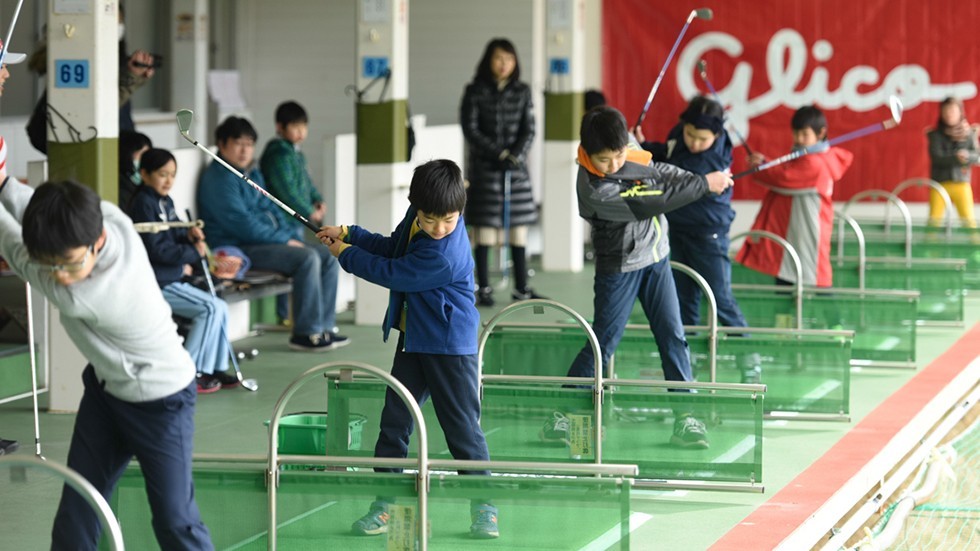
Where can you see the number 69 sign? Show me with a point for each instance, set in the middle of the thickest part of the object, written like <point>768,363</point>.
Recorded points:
<point>71,73</point>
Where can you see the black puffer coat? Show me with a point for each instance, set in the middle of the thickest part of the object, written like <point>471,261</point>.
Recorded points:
<point>494,120</point>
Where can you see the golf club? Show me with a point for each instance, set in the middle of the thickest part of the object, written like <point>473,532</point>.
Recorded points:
<point>33,355</point>
<point>505,220</point>
<point>703,71</point>
<point>184,119</point>
<point>157,227</point>
<point>10,33</point>
<point>895,106</point>
<point>247,384</point>
<point>700,13</point>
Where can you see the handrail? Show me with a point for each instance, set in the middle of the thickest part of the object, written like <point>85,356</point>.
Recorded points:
<point>712,314</point>
<point>80,485</point>
<point>902,208</point>
<point>798,287</point>
<point>538,305</point>
<point>422,479</point>
<point>935,186</point>
<point>859,234</point>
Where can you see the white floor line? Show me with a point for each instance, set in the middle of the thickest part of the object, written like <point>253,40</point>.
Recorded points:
<point>889,344</point>
<point>738,450</point>
<point>608,539</point>
<point>485,434</point>
<point>297,518</point>
<point>824,389</point>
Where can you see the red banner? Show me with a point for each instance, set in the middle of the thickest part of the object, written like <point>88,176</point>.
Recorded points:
<point>766,58</point>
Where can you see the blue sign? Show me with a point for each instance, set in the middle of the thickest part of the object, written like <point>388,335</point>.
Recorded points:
<point>559,66</point>
<point>374,66</point>
<point>71,73</point>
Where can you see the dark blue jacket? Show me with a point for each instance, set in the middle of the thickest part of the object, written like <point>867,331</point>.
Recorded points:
<point>168,250</point>
<point>432,278</point>
<point>235,214</point>
<point>712,213</point>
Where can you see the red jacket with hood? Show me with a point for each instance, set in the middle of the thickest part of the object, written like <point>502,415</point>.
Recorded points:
<point>799,208</point>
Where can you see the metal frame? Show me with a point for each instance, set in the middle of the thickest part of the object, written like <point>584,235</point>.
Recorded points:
<point>80,485</point>
<point>797,265</point>
<point>933,185</point>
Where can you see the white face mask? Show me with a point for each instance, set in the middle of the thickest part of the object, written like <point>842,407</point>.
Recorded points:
<point>122,30</point>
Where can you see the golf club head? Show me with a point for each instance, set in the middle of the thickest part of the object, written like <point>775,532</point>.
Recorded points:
<point>704,13</point>
<point>896,107</point>
<point>184,119</point>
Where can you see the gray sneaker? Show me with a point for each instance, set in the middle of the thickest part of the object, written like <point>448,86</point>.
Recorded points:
<point>689,433</point>
<point>374,522</point>
<point>310,343</point>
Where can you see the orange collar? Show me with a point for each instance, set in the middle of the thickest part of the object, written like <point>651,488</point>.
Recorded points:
<point>637,156</point>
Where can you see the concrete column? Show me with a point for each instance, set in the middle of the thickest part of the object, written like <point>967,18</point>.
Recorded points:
<point>565,60</point>
<point>382,152</point>
<point>189,61</point>
<point>83,99</point>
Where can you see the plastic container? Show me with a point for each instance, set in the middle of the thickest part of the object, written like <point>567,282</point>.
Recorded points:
<point>305,433</point>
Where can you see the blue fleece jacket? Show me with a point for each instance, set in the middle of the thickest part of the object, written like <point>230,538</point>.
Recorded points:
<point>712,213</point>
<point>433,279</point>
<point>236,214</point>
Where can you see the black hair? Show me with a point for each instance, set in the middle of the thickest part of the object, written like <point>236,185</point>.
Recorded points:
<point>603,128</point>
<point>483,70</point>
<point>130,142</point>
<point>61,216</point>
<point>809,116</point>
<point>594,98</point>
<point>437,188</point>
<point>704,114</point>
<point>290,112</point>
<point>233,128</point>
<point>154,159</point>
<point>941,125</point>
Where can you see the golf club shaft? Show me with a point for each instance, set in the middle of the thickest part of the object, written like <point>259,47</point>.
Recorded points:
<point>214,295</point>
<point>10,33</point>
<point>714,93</point>
<point>33,362</point>
<point>157,227</point>
<point>312,227</point>
<point>663,70</point>
<point>861,132</point>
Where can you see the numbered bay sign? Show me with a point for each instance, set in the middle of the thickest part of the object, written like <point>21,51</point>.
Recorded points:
<point>71,73</point>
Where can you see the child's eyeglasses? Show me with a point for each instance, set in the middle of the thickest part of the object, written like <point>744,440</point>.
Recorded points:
<point>71,267</point>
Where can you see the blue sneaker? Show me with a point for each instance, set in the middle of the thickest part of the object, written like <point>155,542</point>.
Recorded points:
<point>484,525</point>
<point>373,523</point>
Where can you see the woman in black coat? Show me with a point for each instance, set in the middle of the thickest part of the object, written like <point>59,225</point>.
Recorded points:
<point>498,124</point>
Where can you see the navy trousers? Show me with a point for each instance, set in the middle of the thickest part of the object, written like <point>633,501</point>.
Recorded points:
<point>613,303</point>
<point>451,381</point>
<point>108,433</point>
<point>707,254</point>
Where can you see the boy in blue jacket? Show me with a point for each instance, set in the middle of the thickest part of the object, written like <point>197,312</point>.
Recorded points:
<point>427,265</point>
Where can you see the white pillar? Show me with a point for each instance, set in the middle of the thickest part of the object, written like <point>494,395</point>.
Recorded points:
<point>565,61</point>
<point>83,98</point>
<point>382,175</point>
<point>189,60</point>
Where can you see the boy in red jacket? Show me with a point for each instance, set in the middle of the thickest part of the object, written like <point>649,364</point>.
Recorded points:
<point>798,206</point>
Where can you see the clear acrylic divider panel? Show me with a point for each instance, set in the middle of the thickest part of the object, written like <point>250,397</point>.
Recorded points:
<point>30,499</point>
<point>533,512</point>
<point>927,242</point>
<point>638,425</point>
<point>940,283</point>
<point>315,508</point>
<point>803,373</point>
<point>884,323</point>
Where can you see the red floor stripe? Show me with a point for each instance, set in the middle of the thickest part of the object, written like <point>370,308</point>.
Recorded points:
<point>778,517</point>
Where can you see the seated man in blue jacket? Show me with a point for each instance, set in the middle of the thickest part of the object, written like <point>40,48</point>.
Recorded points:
<point>235,214</point>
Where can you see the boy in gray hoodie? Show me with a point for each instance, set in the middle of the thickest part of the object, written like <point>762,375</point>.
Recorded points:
<point>85,257</point>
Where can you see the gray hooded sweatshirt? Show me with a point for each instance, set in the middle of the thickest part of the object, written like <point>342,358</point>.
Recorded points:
<point>117,316</point>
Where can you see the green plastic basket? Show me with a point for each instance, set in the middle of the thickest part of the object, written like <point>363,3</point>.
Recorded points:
<point>306,433</point>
